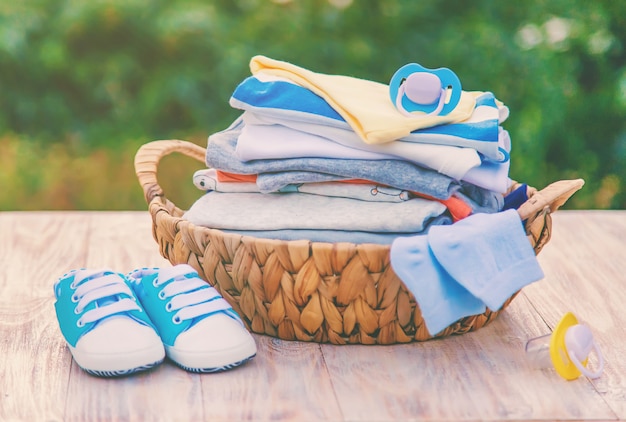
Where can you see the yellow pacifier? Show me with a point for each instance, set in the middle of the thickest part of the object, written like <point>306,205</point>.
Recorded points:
<point>567,349</point>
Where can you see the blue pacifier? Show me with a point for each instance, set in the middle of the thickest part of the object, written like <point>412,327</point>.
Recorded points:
<point>432,91</point>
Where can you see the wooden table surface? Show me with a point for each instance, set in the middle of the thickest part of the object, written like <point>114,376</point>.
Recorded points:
<point>483,375</point>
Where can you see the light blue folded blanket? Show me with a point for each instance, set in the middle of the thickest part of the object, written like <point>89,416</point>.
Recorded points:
<point>297,211</point>
<point>441,299</point>
<point>334,236</point>
<point>288,101</point>
<point>458,270</point>
<point>488,254</point>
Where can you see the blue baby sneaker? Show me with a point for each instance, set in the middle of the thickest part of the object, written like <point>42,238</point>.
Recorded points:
<point>105,328</point>
<point>200,330</point>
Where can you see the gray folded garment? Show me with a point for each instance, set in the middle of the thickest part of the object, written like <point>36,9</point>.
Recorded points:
<point>301,211</point>
<point>334,236</point>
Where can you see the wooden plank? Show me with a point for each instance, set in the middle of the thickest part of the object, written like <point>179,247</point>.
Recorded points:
<point>483,375</point>
<point>122,240</point>
<point>163,394</point>
<point>33,363</point>
<point>287,380</point>
<point>585,267</point>
<point>35,249</point>
<point>38,247</point>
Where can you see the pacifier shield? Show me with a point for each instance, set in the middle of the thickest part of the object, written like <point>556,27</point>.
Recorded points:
<point>558,350</point>
<point>432,91</point>
<point>570,346</point>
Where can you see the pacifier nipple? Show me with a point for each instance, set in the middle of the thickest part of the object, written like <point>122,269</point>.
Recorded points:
<point>579,340</point>
<point>579,344</point>
<point>423,88</point>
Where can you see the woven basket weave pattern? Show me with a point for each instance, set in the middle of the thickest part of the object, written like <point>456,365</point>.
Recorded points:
<point>337,293</point>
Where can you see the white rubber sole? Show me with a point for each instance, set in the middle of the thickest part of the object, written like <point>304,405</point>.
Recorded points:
<point>112,365</point>
<point>214,361</point>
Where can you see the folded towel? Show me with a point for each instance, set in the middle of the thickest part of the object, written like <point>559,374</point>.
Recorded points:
<point>441,299</point>
<point>283,102</point>
<point>274,142</point>
<point>364,104</point>
<point>208,179</point>
<point>262,139</point>
<point>220,154</point>
<point>488,254</point>
<point>491,175</point>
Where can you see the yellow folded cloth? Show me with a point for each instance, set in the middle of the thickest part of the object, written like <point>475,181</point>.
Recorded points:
<point>364,104</point>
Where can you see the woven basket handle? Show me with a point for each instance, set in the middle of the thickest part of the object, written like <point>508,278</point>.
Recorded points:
<point>552,196</point>
<point>537,209</point>
<point>147,162</point>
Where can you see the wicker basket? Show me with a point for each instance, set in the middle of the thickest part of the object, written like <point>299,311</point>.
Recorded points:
<point>337,293</point>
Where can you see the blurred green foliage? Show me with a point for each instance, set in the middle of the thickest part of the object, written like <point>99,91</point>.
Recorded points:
<point>84,83</point>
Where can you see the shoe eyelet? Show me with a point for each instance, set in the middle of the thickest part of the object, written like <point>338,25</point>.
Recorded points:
<point>162,295</point>
<point>168,306</point>
<point>155,282</point>
<point>176,320</point>
<point>80,323</point>
<point>74,298</point>
<point>76,311</point>
<point>73,285</point>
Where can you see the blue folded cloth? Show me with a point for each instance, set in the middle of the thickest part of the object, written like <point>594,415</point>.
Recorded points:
<point>286,100</point>
<point>441,299</point>
<point>488,254</point>
<point>455,271</point>
<point>516,198</point>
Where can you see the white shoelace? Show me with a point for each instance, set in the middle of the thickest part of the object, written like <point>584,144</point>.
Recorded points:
<point>105,291</point>
<point>191,297</point>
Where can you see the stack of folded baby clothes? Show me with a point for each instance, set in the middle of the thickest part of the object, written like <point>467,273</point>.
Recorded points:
<point>329,158</point>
